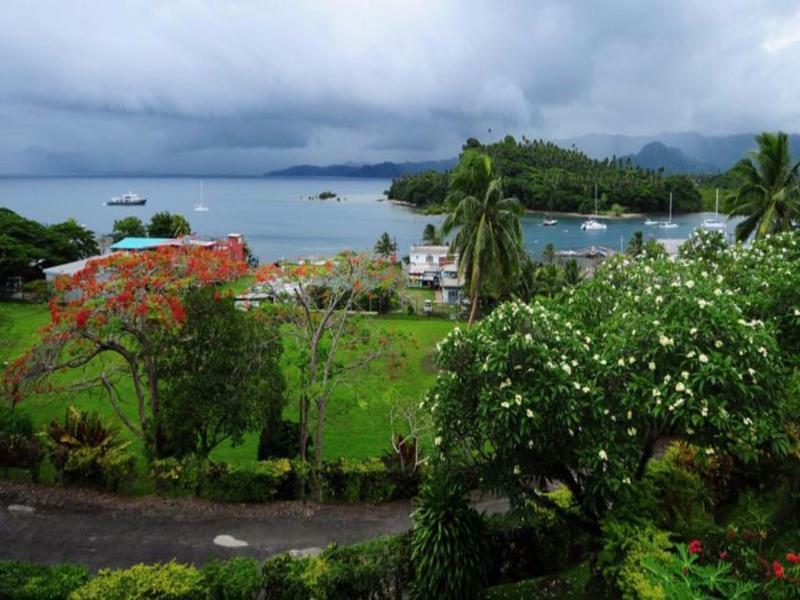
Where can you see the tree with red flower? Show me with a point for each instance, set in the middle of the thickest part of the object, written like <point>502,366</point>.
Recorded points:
<point>107,316</point>
<point>695,547</point>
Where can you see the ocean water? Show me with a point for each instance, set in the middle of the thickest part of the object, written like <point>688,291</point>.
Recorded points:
<point>276,216</point>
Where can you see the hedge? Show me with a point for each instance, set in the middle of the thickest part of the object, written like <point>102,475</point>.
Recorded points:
<point>27,581</point>
<point>346,480</point>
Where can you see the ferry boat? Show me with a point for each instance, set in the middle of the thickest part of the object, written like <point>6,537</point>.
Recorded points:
<point>129,199</point>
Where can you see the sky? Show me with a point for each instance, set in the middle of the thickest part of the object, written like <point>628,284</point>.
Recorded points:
<point>242,87</point>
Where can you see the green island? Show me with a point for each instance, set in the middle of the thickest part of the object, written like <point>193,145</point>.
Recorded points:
<point>639,423</point>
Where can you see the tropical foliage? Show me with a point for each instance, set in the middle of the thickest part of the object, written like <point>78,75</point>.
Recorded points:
<point>128,227</point>
<point>386,246</point>
<point>488,237</point>
<point>769,195</point>
<point>544,176</point>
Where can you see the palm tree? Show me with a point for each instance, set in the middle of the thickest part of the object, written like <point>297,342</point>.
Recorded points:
<point>489,237</point>
<point>769,196</point>
<point>385,246</point>
<point>430,235</point>
<point>180,226</point>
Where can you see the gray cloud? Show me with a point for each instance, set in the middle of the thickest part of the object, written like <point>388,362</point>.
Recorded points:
<point>244,86</point>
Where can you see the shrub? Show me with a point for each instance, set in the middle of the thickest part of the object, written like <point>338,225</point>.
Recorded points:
<point>449,549</point>
<point>357,480</point>
<point>376,570</point>
<point>84,449</point>
<point>280,441</point>
<point>37,290</point>
<point>286,578</point>
<point>249,482</point>
<point>173,475</point>
<point>169,581</point>
<point>27,581</point>
<point>235,579</point>
<point>19,445</point>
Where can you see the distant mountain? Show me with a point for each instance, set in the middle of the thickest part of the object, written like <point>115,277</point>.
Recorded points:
<point>656,155</point>
<point>382,170</point>
<point>719,151</point>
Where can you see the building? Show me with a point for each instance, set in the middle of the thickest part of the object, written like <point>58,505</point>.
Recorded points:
<point>436,267</point>
<point>426,264</point>
<point>234,244</point>
<point>68,269</point>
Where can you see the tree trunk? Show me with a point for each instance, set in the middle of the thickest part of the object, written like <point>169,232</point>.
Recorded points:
<point>473,314</point>
<point>318,450</point>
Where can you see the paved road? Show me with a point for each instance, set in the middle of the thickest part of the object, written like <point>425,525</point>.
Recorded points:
<point>50,525</point>
<point>103,531</point>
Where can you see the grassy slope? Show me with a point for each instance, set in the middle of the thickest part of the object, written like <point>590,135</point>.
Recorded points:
<point>357,425</point>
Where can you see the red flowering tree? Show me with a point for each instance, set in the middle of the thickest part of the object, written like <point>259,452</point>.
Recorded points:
<point>108,316</point>
<point>320,305</point>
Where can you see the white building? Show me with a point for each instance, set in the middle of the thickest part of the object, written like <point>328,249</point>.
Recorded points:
<point>436,267</point>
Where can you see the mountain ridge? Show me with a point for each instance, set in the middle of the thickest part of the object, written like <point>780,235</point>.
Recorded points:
<point>384,169</point>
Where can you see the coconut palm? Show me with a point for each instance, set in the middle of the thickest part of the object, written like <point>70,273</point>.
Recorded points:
<point>180,226</point>
<point>489,237</point>
<point>431,235</point>
<point>385,246</point>
<point>769,197</point>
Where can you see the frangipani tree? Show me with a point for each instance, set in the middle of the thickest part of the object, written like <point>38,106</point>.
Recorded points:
<point>320,304</point>
<point>110,314</point>
<point>578,390</point>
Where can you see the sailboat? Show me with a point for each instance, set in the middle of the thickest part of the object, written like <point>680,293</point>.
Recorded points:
<point>714,224</point>
<point>592,224</point>
<point>200,206</point>
<point>669,224</point>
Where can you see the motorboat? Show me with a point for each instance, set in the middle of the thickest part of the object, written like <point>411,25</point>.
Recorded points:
<point>549,222</point>
<point>650,222</point>
<point>714,224</point>
<point>592,224</point>
<point>670,224</point>
<point>129,199</point>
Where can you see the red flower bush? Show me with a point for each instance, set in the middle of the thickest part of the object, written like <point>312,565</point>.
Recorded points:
<point>777,569</point>
<point>695,547</point>
<point>793,558</point>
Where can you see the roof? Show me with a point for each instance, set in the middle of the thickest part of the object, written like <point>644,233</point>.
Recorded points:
<point>70,268</point>
<point>430,249</point>
<point>137,243</point>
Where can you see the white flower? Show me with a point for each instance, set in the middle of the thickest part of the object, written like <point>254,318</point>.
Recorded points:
<point>702,303</point>
<point>517,470</point>
<point>679,387</point>
<point>762,351</point>
<point>704,411</point>
<point>656,392</point>
<point>685,374</point>
<point>602,454</point>
<point>631,359</point>
<point>702,358</point>
<point>651,365</point>
<point>690,354</point>
<point>621,362</point>
<point>693,330</point>
<point>664,340</point>
<point>631,431</point>
<point>585,389</point>
<point>689,284</point>
<point>718,344</point>
<point>529,412</point>
<point>626,480</point>
<point>709,451</point>
<point>518,399</point>
<point>505,404</point>
<point>437,441</point>
<point>567,368</point>
<point>797,312</point>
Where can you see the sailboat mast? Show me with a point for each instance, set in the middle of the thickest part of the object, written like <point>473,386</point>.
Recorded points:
<point>595,199</point>
<point>716,210</point>
<point>670,207</point>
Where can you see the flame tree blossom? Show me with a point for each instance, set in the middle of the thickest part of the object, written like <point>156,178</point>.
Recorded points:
<point>110,315</point>
<point>595,424</point>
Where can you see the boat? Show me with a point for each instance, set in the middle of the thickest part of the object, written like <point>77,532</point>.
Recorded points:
<point>129,199</point>
<point>200,206</point>
<point>714,224</point>
<point>669,224</point>
<point>549,222</point>
<point>650,222</point>
<point>592,224</point>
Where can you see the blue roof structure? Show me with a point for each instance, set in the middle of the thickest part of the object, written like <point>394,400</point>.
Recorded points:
<point>137,243</point>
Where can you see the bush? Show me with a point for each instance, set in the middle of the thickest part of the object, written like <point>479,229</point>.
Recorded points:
<point>169,581</point>
<point>26,581</point>
<point>449,549</point>
<point>365,480</point>
<point>286,578</point>
<point>37,290</point>
<point>84,449</point>
<point>181,476</point>
<point>19,446</point>
<point>530,541</point>
<point>235,579</point>
<point>250,482</point>
<point>280,441</point>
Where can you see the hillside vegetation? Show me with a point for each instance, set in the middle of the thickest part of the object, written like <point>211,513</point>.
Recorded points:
<point>544,176</point>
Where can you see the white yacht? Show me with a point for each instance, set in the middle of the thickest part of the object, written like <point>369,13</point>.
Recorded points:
<point>669,224</point>
<point>650,222</point>
<point>714,224</point>
<point>549,222</point>
<point>200,206</point>
<point>129,199</point>
<point>592,224</point>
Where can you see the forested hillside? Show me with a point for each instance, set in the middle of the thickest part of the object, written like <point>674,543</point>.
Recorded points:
<point>547,177</point>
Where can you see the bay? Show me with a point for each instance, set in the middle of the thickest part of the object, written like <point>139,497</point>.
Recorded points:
<point>278,219</point>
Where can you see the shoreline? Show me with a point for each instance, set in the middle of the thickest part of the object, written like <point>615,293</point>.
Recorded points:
<point>532,211</point>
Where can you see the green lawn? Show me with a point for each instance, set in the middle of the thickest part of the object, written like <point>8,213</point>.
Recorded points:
<point>358,414</point>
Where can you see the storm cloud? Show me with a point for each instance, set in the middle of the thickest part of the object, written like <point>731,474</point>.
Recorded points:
<point>244,86</point>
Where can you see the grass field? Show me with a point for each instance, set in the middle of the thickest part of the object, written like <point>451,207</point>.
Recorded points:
<point>358,415</point>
